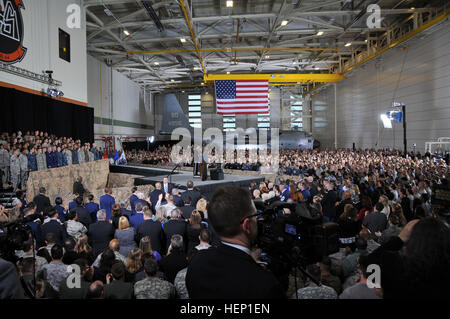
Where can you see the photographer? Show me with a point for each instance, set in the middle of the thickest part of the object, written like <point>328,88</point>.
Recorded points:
<point>229,271</point>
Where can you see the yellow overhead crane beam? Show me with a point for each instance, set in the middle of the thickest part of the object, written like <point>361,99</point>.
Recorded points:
<point>277,78</point>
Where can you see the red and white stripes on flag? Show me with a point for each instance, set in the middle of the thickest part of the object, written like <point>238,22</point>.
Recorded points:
<point>242,96</point>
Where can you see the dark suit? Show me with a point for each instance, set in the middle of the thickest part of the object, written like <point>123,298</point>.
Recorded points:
<point>106,203</point>
<point>375,222</point>
<point>133,199</point>
<point>193,194</point>
<point>329,204</point>
<point>119,289</point>
<point>83,215</point>
<point>154,231</point>
<point>172,264</point>
<point>100,234</point>
<point>42,203</point>
<point>154,195</point>
<point>78,188</point>
<point>173,227</point>
<point>92,208</point>
<point>178,201</point>
<point>169,187</point>
<point>226,272</point>
<point>57,229</point>
<point>187,211</point>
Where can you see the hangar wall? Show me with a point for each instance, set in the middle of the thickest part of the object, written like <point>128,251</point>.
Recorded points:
<point>424,87</point>
<point>41,20</point>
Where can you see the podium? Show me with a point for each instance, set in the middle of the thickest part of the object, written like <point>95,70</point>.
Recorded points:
<point>201,169</point>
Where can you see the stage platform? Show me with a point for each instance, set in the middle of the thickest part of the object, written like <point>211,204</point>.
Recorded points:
<point>179,178</point>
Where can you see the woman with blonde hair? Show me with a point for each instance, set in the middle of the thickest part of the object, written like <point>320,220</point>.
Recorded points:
<point>194,228</point>
<point>125,234</point>
<point>133,266</point>
<point>146,246</point>
<point>84,250</point>
<point>201,208</point>
<point>161,215</point>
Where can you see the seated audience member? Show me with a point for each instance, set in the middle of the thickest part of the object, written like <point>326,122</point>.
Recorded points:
<point>216,272</point>
<point>134,268</point>
<point>350,262</point>
<point>116,287</point>
<point>103,267</point>
<point>153,287</point>
<point>73,227</point>
<point>100,233</point>
<point>180,284</point>
<point>153,229</point>
<point>84,279</point>
<point>328,279</point>
<point>92,207</point>
<point>312,290</point>
<point>394,229</point>
<point>55,271</point>
<point>175,259</point>
<point>202,208</point>
<point>27,252</point>
<point>32,289</point>
<point>96,290</point>
<point>361,290</point>
<point>10,286</point>
<point>54,226</point>
<point>145,245</point>
<point>371,244</point>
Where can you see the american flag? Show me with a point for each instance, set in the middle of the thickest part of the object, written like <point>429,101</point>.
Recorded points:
<point>242,96</point>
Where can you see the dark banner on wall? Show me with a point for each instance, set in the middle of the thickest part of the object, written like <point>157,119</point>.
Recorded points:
<point>28,112</point>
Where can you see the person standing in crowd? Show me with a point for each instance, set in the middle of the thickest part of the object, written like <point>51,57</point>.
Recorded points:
<point>42,202</point>
<point>107,202</point>
<point>75,159</point>
<point>81,155</point>
<point>41,159</point>
<point>216,272</point>
<point>5,159</point>
<point>78,187</point>
<point>92,207</point>
<point>15,169</point>
<point>23,159</point>
<point>59,157</point>
<point>69,155</point>
<point>329,202</point>
<point>32,162</point>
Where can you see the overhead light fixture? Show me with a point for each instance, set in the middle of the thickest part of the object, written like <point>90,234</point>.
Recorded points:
<point>412,8</point>
<point>267,56</point>
<point>365,40</point>
<point>284,22</point>
<point>108,12</point>
<point>319,33</point>
<point>172,80</point>
<point>203,83</point>
<point>126,32</point>
<point>229,4</point>
<point>156,63</point>
<point>348,44</point>
<point>183,40</point>
<point>228,72</point>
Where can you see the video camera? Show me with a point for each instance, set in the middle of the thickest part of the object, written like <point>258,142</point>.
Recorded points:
<point>286,240</point>
<point>13,235</point>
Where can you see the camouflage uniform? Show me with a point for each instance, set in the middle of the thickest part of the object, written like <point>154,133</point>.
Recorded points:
<point>180,284</point>
<point>56,272</point>
<point>91,156</point>
<point>41,161</point>
<point>15,171</point>
<point>23,160</point>
<point>81,158</point>
<point>69,157</point>
<point>4,165</point>
<point>154,288</point>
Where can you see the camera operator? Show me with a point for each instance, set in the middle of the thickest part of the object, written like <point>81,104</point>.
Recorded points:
<point>229,271</point>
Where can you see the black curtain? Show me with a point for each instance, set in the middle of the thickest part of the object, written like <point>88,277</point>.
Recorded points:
<point>21,111</point>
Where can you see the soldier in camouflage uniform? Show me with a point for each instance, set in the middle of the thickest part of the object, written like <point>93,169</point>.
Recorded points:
<point>15,169</point>
<point>69,155</point>
<point>153,287</point>
<point>4,163</point>
<point>81,158</point>
<point>41,160</point>
<point>23,161</point>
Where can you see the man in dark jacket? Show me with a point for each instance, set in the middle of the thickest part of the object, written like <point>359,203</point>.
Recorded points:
<point>153,229</point>
<point>329,203</point>
<point>100,233</point>
<point>174,226</point>
<point>193,194</point>
<point>80,292</point>
<point>84,216</point>
<point>42,202</point>
<point>55,227</point>
<point>176,260</point>
<point>78,187</point>
<point>116,287</point>
<point>229,271</point>
<point>375,221</point>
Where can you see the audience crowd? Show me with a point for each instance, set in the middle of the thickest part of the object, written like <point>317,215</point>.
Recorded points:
<point>145,247</point>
